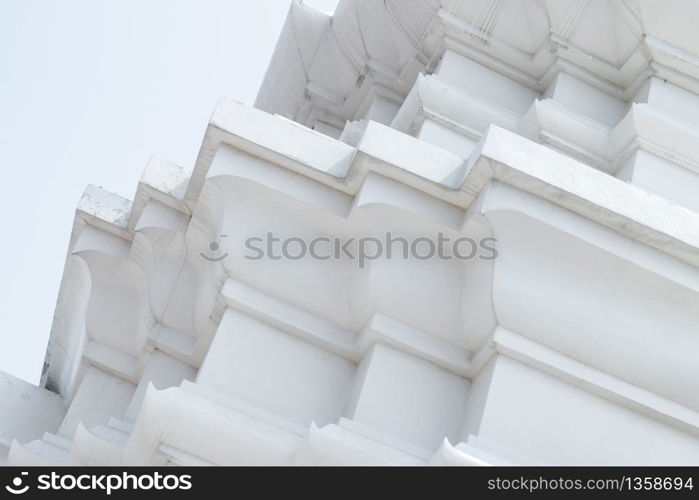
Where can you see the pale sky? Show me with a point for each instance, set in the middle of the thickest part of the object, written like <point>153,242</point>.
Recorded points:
<point>89,90</point>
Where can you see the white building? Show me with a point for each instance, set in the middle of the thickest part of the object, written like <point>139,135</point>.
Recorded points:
<point>568,130</point>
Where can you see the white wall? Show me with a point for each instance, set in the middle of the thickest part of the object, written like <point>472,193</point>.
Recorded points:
<point>26,411</point>
<point>555,423</point>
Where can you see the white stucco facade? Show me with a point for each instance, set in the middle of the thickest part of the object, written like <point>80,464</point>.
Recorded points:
<point>566,130</point>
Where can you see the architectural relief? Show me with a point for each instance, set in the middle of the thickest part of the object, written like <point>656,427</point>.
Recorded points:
<point>567,131</point>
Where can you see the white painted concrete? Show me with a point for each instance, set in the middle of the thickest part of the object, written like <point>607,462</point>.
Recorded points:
<point>576,345</point>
